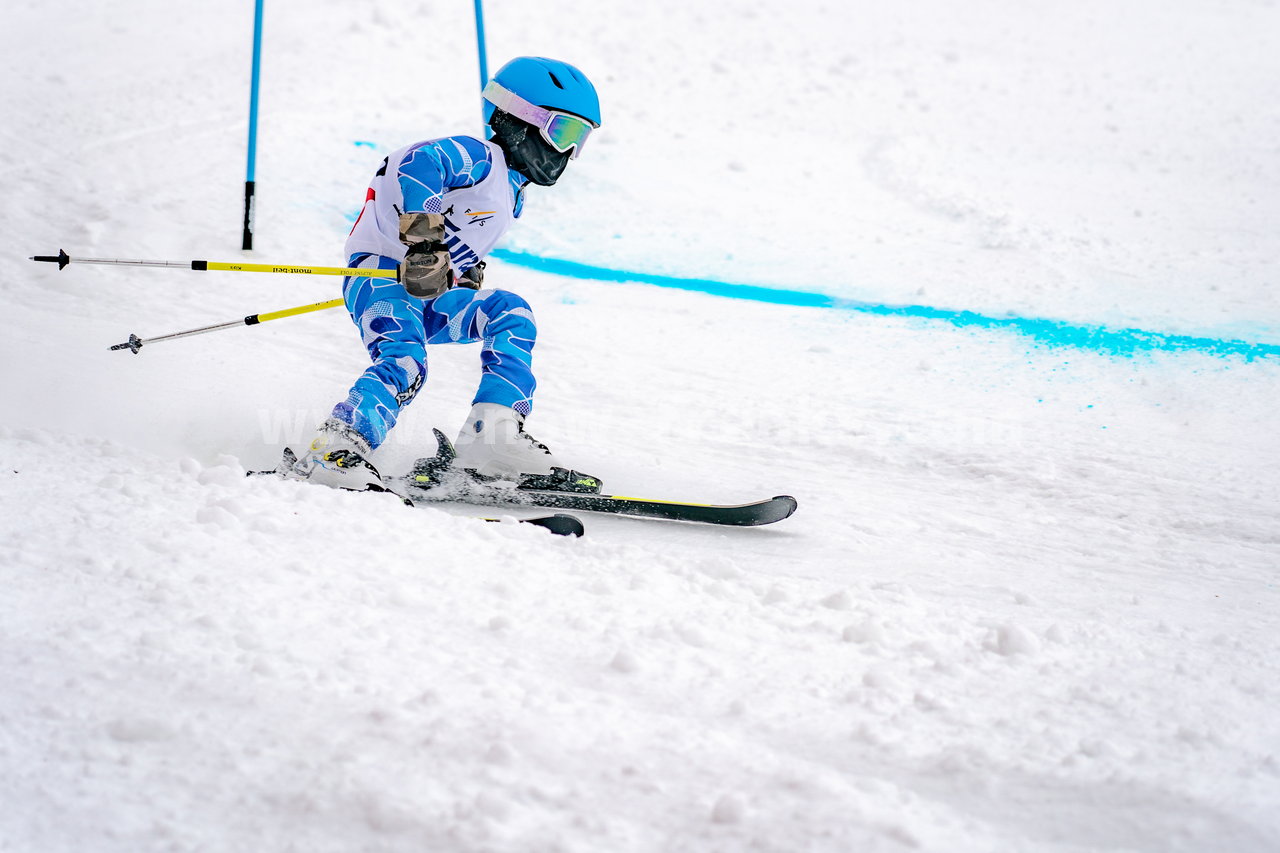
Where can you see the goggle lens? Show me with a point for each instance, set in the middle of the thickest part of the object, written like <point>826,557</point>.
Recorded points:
<point>565,131</point>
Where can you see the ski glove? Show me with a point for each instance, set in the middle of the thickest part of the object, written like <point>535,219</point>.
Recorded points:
<point>472,278</point>
<point>426,271</point>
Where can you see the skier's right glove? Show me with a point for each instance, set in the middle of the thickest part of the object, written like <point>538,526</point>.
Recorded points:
<point>426,272</point>
<point>472,278</point>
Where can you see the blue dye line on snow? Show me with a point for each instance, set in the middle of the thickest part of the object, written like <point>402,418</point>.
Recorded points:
<point>1126,342</point>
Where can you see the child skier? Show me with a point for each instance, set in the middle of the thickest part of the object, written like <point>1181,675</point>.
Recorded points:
<point>435,209</point>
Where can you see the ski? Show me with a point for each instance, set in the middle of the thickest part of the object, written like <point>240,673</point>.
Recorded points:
<point>752,514</point>
<point>433,479</point>
<point>559,524</point>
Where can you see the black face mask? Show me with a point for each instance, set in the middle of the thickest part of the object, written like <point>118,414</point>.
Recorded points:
<point>527,152</point>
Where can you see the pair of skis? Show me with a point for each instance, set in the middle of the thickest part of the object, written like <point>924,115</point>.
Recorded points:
<point>433,479</point>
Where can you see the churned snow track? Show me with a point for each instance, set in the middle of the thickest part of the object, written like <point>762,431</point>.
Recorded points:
<point>260,668</point>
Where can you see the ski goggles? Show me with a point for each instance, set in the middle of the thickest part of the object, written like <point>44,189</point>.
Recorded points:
<point>562,131</point>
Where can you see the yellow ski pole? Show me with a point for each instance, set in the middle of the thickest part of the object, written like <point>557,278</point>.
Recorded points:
<point>136,343</point>
<point>62,259</point>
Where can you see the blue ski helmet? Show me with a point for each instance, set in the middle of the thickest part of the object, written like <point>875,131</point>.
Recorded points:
<point>550,84</point>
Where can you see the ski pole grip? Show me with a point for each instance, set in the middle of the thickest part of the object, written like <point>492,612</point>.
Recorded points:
<point>61,259</point>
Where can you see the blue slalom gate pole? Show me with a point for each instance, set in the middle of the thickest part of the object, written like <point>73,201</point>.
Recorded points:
<point>480,49</point>
<point>247,242</point>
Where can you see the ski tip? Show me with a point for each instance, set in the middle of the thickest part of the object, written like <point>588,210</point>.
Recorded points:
<point>788,504</point>
<point>560,524</point>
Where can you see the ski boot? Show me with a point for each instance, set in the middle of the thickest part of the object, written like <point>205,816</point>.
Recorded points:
<point>337,457</point>
<point>494,446</point>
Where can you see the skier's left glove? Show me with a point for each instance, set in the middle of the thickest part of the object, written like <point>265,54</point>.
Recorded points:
<point>426,271</point>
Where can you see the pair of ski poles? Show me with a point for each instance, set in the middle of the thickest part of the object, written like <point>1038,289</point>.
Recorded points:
<point>136,343</point>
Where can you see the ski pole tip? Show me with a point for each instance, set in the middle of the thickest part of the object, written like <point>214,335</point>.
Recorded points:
<point>134,343</point>
<point>61,259</point>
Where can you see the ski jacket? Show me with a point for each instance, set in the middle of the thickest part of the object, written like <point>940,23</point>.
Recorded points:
<point>464,178</point>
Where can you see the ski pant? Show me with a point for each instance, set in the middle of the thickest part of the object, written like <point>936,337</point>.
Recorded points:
<point>397,327</point>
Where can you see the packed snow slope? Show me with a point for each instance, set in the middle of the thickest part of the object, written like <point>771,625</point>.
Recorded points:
<point>1029,601</point>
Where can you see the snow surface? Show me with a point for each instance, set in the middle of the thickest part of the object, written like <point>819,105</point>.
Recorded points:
<point>1029,601</point>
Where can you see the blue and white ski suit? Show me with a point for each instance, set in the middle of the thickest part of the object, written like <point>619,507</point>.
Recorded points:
<point>468,181</point>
